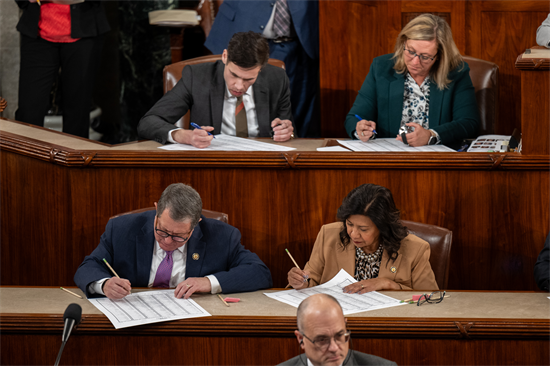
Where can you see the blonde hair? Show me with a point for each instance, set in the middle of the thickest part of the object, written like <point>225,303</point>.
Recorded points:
<point>427,27</point>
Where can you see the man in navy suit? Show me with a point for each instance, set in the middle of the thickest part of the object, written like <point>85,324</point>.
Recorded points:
<point>173,247</point>
<point>298,48</point>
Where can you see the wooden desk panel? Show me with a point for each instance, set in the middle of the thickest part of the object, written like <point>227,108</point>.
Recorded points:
<point>58,200</point>
<point>450,333</point>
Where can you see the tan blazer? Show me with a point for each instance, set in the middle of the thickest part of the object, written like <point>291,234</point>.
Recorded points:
<point>412,267</point>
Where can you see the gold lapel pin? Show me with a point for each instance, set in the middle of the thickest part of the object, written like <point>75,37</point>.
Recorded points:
<point>393,269</point>
<point>195,256</point>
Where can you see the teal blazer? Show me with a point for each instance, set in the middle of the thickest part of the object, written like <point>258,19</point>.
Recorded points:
<point>453,112</point>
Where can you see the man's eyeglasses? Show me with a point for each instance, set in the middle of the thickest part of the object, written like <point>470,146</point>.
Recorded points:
<point>434,298</point>
<point>323,342</point>
<point>164,234</point>
<point>422,58</point>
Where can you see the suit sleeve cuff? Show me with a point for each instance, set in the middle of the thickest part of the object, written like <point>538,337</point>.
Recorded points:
<point>170,139</point>
<point>96,287</point>
<point>214,284</point>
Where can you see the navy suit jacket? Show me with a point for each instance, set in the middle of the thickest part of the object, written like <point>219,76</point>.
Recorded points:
<point>243,16</point>
<point>453,111</point>
<point>128,243</point>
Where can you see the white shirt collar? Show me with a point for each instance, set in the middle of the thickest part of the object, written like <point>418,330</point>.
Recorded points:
<point>160,252</point>
<point>249,92</point>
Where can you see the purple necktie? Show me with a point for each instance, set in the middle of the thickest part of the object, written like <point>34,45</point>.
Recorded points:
<point>164,272</point>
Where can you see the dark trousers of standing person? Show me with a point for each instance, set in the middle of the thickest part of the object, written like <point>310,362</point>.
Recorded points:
<point>40,63</point>
<point>303,73</point>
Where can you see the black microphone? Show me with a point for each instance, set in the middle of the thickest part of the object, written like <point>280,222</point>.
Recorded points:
<point>72,317</point>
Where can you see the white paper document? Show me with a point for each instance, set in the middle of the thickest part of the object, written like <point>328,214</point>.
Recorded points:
<point>230,143</point>
<point>147,307</point>
<point>333,149</point>
<point>391,145</point>
<point>351,303</point>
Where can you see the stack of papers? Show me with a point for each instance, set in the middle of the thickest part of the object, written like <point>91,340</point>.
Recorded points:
<point>351,303</point>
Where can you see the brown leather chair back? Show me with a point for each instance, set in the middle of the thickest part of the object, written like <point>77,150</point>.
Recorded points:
<point>206,213</point>
<point>484,75</point>
<point>172,74</point>
<point>440,240</point>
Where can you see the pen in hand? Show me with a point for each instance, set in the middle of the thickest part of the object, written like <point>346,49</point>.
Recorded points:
<point>360,119</point>
<point>193,124</point>
<point>296,264</point>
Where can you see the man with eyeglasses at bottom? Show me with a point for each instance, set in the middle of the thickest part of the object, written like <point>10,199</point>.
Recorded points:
<point>323,336</point>
<point>172,247</point>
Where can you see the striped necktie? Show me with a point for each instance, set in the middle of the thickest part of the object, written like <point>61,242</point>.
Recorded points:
<point>241,123</point>
<point>281,20</point>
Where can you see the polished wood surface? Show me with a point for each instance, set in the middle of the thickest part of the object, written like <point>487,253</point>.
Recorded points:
<point>60,199</point>
<point>436,335</point>
<point>535,105</point>
<point>353,32</point>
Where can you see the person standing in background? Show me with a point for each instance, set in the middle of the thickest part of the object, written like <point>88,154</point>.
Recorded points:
<point>292,28</point>
<point>59,34</point>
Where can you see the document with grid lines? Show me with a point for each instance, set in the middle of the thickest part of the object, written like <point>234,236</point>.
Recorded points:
<point>351,303</point>
<point>147,307</point>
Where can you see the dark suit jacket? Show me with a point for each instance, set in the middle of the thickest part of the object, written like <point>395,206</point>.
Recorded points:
<point>542,267</point>
<point>201,89</point>
<point>453,111</point>
<point>87,19</point>
<point>128,243</point>
<point>243,16</point>
<point>354,358</point>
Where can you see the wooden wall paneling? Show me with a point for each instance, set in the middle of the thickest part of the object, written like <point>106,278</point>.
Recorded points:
<point>502,43</point>
<point>535,111</point>
<point>34,206</point>
<point>82,349</point>
<point>333,66</point>
<point>458,22</point>
<point>393,24</point>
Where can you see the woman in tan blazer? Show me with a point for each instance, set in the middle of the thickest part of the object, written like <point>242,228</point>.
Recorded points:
<point>370,243</point>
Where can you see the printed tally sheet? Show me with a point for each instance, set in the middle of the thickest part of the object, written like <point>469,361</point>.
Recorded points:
<point>390,145</point>
<point>147,307</point>
<point>230,143</point>
<point>351,303</point>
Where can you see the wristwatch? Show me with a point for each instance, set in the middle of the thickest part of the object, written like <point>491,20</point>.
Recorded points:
<point>433,138</point>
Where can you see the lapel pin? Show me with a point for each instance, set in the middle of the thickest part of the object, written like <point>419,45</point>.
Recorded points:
<point>393,269</point>
<point>195,256</point>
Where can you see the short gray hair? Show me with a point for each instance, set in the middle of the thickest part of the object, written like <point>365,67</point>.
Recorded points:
<point>183,201</point>
<point>304,305</point>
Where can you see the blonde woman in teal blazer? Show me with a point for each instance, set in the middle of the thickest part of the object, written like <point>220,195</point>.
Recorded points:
<point>424,48</point>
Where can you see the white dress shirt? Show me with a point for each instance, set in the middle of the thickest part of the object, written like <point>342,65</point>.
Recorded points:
<point>179,257</point>
<point>228,117</point>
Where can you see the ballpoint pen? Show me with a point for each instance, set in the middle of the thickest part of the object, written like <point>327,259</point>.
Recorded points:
<point>360,119</point>
<point>193,124</point>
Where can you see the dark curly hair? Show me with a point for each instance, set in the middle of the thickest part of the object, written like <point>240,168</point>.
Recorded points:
<point>375,202</point>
